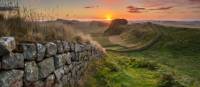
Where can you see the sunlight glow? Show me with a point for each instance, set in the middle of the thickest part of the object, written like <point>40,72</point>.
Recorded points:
<point>109,17</point>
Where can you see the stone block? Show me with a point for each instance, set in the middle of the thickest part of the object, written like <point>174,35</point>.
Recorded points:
<point>41,49</point>
<point>78,47</point>
<point>65,80</point>
<point>73,56</point>
<point>29,51</point>
<point>59,46</point>
<point>9,42</point>
<point>59,73</point>
<point>13,61</point>
<point>38,84</point>
<point>31,72</point>
<point>46,67</point>
<point>50,81</point>
<point>66,46</point>
<point>12,78</point>
<point>60,60</point>
<point>59,84</point>
<point>72,46</point>
<point>51,49</point>
<point>68,58</point>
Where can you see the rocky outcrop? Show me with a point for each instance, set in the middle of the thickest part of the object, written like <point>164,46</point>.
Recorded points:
<point>118,22</point>
<point>116,27</point>
<point>51,64</point>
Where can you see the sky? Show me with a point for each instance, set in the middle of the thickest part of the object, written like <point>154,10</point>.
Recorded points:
<point>110,9</point>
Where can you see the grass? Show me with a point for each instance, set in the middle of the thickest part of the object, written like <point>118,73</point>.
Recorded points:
<point>117,70</point>
<point>103,39</point>
<point>178,52</point>
<point>139,33</point>
<point>178,49</point>
<point>24,30</point>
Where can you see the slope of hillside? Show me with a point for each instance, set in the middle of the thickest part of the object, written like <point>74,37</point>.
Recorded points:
<point>138,36</point>
<point>118,70</point>
<point>178,50</point>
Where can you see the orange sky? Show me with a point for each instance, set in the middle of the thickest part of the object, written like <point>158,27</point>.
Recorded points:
<point>129,9</point>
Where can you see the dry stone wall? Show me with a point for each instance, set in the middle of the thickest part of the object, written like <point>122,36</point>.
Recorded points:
<point>51,64</point>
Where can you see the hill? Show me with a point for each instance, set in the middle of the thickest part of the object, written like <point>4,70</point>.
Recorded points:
<point>177,51</point>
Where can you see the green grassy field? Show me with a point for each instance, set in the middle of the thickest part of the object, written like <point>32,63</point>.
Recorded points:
<point>118,70</point>
<point>177,52</point>
<point>115,71</point>
<point>178,49</point>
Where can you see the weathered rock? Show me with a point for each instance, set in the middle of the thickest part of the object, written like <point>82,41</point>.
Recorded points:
<point>70,67</point>
<point>13,61</point>
<point>8,42</point>
<point>72,83</point>
<point>73,56</point>
<point>59,60</point>
<point>30,52</point>
<point>41,49</point>
<point>78,47</point>
<point>66,69</point>
<point>31,72</point>
<point>51,49</point>
<point>59,73</point>
<point>38,84</point>
<point>68,57</point>
<point>46,67</point>
<point>74,72</point>
<point>3,51</point>
<point>50,81</point>
<point>60,46</point>
<point>65,80</point>
<point>66,46</point>
<point>117,27</point>
<point>82,55</point>
<point>72,46</point>
<point>0,66</point>
<point>11,78</point>
<point>59,84</point>
<point>118,22</point>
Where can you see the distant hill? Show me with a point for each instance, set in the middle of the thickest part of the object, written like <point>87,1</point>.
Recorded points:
<point>139,33</point>
<point>183,24</point>
<point>116,27</point>
<point>134,33</point>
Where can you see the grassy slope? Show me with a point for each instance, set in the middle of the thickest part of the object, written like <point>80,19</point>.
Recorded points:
<point>139,33</point>
<point>116,71</point>
<point>178,50</point>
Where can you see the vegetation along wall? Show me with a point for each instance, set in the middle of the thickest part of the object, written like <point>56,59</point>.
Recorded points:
<point>49,64</point>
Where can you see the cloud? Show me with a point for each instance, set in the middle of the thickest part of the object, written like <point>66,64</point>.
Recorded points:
<point>88,7</point>
<point>162,8</point>
<point>196,1</point>
<point>196,7</point>
<point>133,9</point>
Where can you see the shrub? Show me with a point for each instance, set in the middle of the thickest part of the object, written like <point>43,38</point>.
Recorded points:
<point>112,67</point>
<point>33,31</point>
<point>145,64</point>
<point>167,80</point>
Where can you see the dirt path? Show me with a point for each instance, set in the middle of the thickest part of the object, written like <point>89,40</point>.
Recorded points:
<point>118,40</point>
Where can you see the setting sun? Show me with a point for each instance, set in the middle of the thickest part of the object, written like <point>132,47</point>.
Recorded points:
<point>109,17</point>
